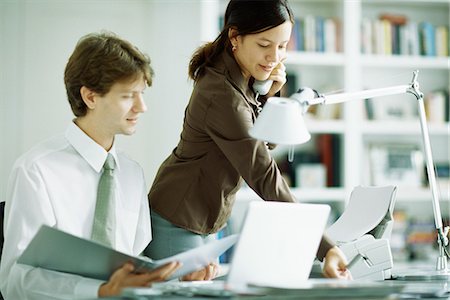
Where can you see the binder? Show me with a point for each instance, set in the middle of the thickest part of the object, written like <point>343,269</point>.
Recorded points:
<point>57,250</point>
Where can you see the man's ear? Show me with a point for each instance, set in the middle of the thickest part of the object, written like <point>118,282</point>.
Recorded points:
<point>88,97</point>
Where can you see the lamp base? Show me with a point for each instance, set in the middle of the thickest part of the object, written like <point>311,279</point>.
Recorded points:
<point>439,273</point>
<point>425,276</point>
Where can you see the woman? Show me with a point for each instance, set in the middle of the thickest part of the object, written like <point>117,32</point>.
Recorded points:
<point>194,190</point>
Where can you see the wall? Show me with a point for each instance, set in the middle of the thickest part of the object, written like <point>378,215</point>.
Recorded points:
<point>36,39</point>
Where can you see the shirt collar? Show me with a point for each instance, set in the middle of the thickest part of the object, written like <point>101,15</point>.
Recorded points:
<point>234,74</point>
<point>94,154</point>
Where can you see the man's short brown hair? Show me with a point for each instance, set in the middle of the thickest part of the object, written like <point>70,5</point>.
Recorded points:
<point>100,60</point>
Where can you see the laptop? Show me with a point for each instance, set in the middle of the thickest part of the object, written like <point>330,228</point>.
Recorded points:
<point>277,246</point>
<point>278,243</point>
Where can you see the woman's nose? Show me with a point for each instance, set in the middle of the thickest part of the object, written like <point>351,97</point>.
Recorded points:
<point>273,55</point>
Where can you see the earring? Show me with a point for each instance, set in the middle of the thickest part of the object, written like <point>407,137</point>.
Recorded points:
<point>233,48</point>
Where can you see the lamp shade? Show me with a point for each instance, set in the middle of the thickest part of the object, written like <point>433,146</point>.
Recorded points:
<point>281,122</point>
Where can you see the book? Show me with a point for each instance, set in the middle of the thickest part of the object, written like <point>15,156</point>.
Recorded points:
<point>292,44</point>
<point>427,39</point>
<point>330,35</point>
<point>329,149</point>
<point>366,36</point>
<point>57,250</point>
<point>435,105</point>
<point>394,19</point>
<point>2,215</point>
<point>310,33</point>
<point>442,41</point>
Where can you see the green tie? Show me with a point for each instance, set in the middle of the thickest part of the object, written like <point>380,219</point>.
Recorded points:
<point>103,229</point>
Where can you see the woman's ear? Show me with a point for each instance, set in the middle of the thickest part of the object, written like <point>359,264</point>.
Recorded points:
<point>88,97</point>
<point>232,36</point>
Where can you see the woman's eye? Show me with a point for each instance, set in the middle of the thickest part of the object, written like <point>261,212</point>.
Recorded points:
<point>263,45</point>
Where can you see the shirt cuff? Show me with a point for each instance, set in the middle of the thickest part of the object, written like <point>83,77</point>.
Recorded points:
<point>325,244</point>
<point>88,287</point>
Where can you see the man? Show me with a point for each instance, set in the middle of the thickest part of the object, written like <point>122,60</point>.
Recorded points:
<point>57,182</point>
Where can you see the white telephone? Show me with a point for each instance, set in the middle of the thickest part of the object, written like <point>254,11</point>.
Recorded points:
<point>262,87</point>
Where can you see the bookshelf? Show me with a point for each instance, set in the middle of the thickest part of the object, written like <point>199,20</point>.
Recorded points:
<point>351,68</point>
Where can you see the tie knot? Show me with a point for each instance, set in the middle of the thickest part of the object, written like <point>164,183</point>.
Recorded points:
<point>110,164</point>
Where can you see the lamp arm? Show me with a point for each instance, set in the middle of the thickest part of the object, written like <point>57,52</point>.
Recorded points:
<point>412,88</point>
<point>344,97</point>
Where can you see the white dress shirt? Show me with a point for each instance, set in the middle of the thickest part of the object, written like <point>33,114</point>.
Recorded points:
<point>55,183</point>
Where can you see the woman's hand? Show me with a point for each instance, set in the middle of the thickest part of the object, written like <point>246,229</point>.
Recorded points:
<point>208,273</point>
<point>278,76</point>
<point>124,277</point>
<point>335,265</point>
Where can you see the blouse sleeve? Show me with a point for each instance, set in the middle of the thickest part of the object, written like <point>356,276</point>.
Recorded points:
<point>228,120</point>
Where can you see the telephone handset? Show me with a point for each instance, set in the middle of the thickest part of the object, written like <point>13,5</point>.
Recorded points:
<point>262,87</point>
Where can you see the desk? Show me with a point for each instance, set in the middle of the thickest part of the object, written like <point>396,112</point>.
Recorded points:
<point>410,290</point>
<point>415,289</point>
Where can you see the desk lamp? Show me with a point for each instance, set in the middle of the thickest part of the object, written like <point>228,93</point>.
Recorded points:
<point>281,122</point>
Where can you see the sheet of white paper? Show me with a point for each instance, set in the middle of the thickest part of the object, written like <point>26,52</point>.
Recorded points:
<point>333,289</point>
<point>366,208</point>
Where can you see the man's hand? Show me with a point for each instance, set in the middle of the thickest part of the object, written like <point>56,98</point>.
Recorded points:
<point>208,273</point>
<point>124,277</point>
<point>336,264</point>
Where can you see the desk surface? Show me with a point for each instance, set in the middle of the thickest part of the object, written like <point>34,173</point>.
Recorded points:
<point>358,290</point>
<point>391,289</point>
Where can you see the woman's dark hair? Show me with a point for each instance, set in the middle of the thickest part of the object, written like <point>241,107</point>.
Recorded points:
<point>247,17</point>
<point>99,61</point>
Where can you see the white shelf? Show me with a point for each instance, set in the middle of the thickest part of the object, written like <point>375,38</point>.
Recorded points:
<point>407,194</point>
<point>403,127</point>
<point>301,194</point>
<point>368,60</point>
<point>316,126</point>
<point>326,195</point>
<point>320,194</point>
<point>420,3</point>
<point>314,58</point>
<point>397,61</point>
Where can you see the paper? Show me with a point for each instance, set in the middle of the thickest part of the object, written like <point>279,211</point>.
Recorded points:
<point>59,251</point>
<point>366,209</point>
<point>333,289</point>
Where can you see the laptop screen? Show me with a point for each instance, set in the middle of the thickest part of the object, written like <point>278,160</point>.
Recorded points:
<point>278,243</point>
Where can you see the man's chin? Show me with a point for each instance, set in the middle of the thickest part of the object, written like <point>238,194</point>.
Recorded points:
<point>129,131</point>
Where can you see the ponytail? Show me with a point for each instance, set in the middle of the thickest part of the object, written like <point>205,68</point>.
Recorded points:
<point>205,55</point>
